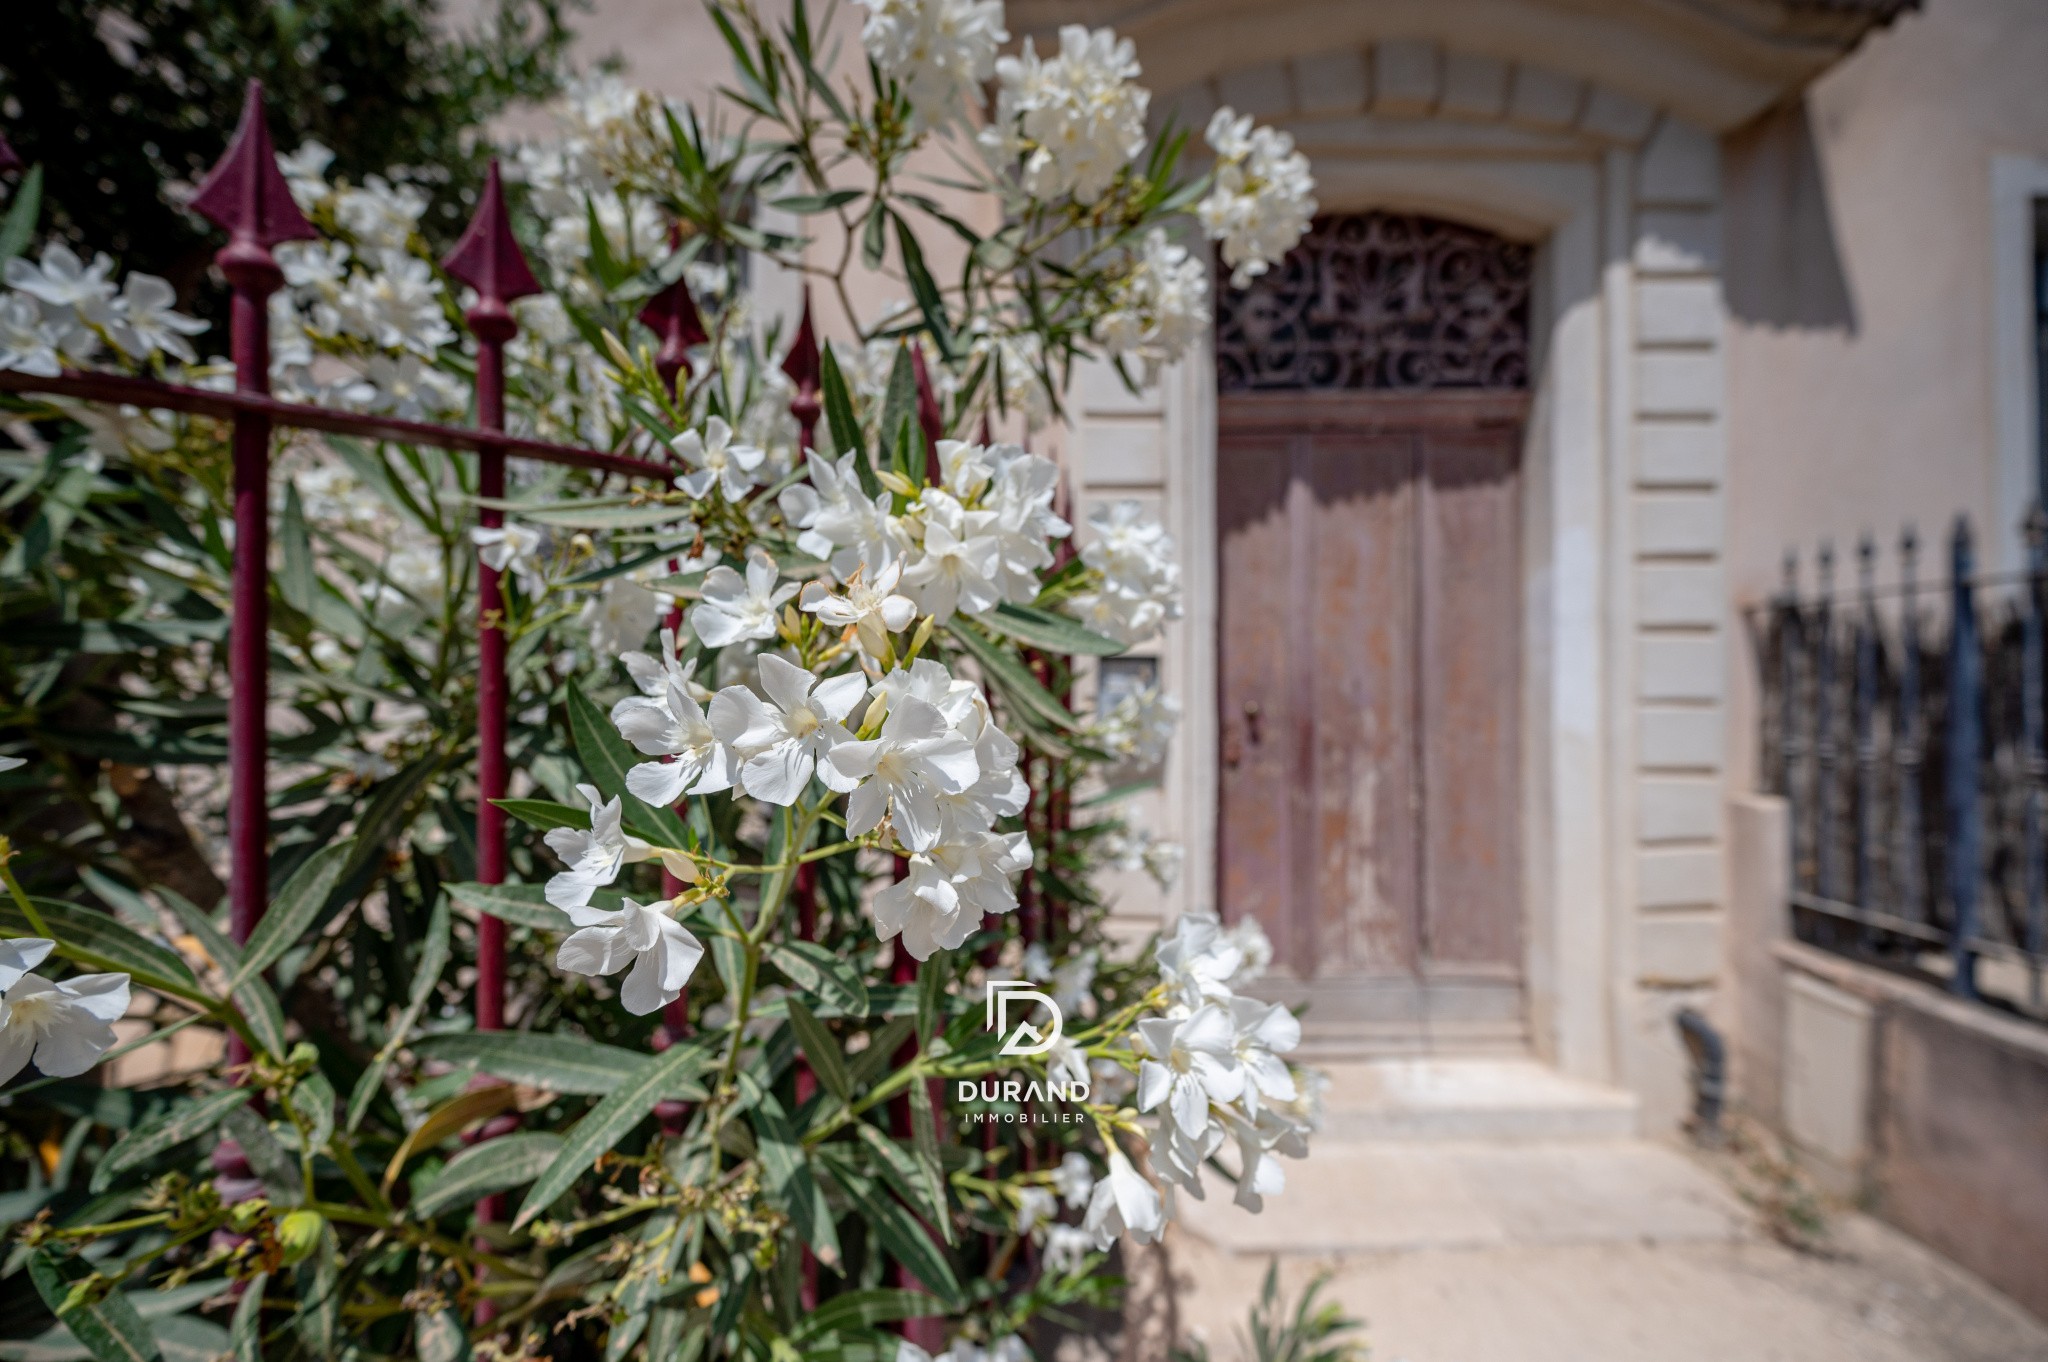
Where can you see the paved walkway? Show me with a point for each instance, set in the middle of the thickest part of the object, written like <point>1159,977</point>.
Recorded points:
<point>1580,1250</point>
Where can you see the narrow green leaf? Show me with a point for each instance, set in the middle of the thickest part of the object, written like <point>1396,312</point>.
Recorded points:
<point>859,1309</point>
<point>873,236</point>
<point>92,931</point>
<point>20,226</point>
<point>611,1120</point>
<point>907,1241</point>
<point>607,757</point>
<point>822,1050</point>
<point>296,582</point>
<point>823,973</point>
<point>492,1166</point>
<point>433,959</point>
<point>923,287</point>
<point>1047,629</point>
<point>438,1336</point>
<point>183,1122</point>
<point>570,1065</point>
<point>899,404</point>
<point>845,426</point>
<point>901,1169</point>
<point>245,1331</point>
<point>254,998</point>
<point>815,203</point>
<point>1011,676</point>
<point>277,1169</point>
<point>545,814</point>
<point>789,1177</point>
<point>312,1101</point>
<point>524,905</point>
<point>294,909</point>
<point>113,637</point>
<point>924,1138</point>
<point>108,1326</point>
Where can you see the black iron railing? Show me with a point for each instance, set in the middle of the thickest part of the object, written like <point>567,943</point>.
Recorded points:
<point>1904,725</point>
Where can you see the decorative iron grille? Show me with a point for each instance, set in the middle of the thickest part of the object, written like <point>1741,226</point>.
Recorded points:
<point>1381,301</point>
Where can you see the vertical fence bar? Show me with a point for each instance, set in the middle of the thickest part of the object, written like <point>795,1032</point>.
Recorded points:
<point>1964,773</point>
<point>1826,753</point>
<point>247,196</point>
<point>2031,701</point>
<point>1909,862</point>
<point>1867,645</point>
<point>488,259</point>
<point>1789,748</point>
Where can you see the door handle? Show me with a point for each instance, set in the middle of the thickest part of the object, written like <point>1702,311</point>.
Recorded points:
<point>1251,721</point>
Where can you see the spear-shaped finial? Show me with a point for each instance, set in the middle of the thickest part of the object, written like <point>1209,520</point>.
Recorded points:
<point>672,315</point>
<point>489,260</point>
<point>246,195</point>
<point>804,368</point>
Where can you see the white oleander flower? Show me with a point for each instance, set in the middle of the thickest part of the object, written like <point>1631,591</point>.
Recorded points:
<point>1139,728</point>
<point>1124,1203</point>
<point>668,722</point>
<point>868,611</point>
<point>405,386</point>
<point>305,173</point>
<point>901,771</point>
<point>12,763</point>
<point>1189,1063</point>
<point>65,1026</point>
<point>379,212</point>
<point>1076,119</point>
<point>142,320</point>
<point>1263,199</point>
<point>1255,948</point>
<point>1197,960</point>
<point>28,345</point>
<point>780,742</point>
<point>662,952</point>
<point>621,616</point>
<point>1140,581</point>
<point>1071,979</point>
<point>1035,1206</point>
<point>1075,1179</point>
<point>1066,1249</point>
<point>736,609</point>
<point>62,280</point>
<point>1020,496</point>
<point>316,269</point>
<point>940,51</point>
<point>512,546</point>
<point>960,560</point>
<point>837,520</point>
<point>396,305</point>
<point>1262,1033</point>
<point>717,460</point>
<point>1158,309</point>
<point>594,855</point>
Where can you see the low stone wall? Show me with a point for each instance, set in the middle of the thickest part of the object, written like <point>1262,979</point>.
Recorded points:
<point>1929,1111</point>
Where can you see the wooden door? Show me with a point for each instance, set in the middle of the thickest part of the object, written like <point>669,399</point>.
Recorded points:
<point>1369,687</point>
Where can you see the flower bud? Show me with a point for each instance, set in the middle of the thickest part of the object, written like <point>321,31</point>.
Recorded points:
<point>298,1234</point>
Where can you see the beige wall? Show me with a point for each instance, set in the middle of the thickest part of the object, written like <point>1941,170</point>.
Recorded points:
<point>1860,281</point>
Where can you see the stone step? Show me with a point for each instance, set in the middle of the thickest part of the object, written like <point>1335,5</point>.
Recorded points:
<point>1358,1196</point>
<point>1327,1042</point>
<point>1468,1098</point>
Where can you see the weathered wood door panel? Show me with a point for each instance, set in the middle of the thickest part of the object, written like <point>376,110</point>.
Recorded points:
<point>1369,571</point>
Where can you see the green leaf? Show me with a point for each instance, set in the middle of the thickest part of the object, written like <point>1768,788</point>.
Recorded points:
<point>924,1136</point>
<point>923,287</point>
<point>570,1065</point>
<point>491,1166</point>
<point>902,1169</point>
<point>846,436</point>
<point>899,405</point>
<point>524,905</point>
<point>433,959</point>
<point>608,270</point>
<point>245,1331</point>
<point>113,637</point>
<point>438,1335</point>
<point>20,226</point>
<point>612,1119</point>
<point>822,1050</point>
<point>108,1325</point>
<point>294,909</point>
<point>859,1309</point>
<point>109,942</point>
<point>545,814</point>
<point>1010,676</point>
<point>183,1122</point>
<point>789,1178</point>
<point>296,582</point>
<point>277,1169</point>
<point>872,235</point>
<point>312,1102</point>
<point>905,1240</point>
<point>254,998</point>
<point>815,203</point>
<point>822,972</point>
<point>1054,632</point>
<point>607,757</point>
<point>606,518</point>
